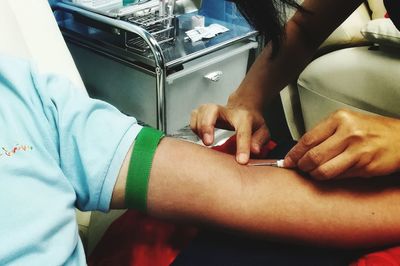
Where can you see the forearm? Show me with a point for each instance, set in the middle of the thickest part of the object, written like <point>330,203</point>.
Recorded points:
<point>193,183</point>
<point>268,76</point>
<point>304,33</point>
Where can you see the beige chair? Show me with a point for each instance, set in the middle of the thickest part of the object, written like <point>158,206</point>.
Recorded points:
<point>29,31</point>
<point>346,74</point>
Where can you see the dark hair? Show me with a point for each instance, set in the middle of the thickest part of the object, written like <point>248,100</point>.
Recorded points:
<point>268,17</point>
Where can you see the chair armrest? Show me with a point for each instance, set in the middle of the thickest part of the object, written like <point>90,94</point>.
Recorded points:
<point>348,33</point>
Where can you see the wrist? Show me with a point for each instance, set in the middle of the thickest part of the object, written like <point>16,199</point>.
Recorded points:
<point>246,100</point>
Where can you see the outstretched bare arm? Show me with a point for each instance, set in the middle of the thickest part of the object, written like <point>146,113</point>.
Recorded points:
<point>193,183</point>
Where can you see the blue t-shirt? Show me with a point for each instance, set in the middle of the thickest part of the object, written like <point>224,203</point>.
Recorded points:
<point>59,150</point>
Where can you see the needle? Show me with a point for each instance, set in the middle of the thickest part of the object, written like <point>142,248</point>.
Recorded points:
<point>277,163</point>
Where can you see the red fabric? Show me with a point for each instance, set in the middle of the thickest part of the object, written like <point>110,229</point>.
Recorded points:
<point>136,239</point>
<point>388,257</point>
<point>139,240</point>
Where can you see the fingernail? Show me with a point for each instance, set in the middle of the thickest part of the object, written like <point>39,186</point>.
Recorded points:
<point>208,139</point>
<point>256,148</point>
<point>242,158</point>
<point>288,163</point>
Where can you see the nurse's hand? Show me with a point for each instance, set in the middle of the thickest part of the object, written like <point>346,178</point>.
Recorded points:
<point>249,124</point>
<point>348,144</point>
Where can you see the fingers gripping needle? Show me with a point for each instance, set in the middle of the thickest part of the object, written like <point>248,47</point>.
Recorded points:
<point>277,163</point>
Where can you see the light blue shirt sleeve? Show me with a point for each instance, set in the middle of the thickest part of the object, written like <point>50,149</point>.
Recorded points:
<point>59,150</point>
<point>93,139</point>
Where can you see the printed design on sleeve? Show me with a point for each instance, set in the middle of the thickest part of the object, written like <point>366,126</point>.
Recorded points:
<point>4,152</point>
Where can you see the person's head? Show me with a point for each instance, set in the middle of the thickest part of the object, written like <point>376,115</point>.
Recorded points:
<point>267,16</point>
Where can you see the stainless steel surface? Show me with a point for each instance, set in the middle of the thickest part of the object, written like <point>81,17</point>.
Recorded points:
<point>109,36</point>
<point>160,26</point>
<point>151,42</point>
<point>217,56</point>
<point>184,51</point>
<point>154,16</point>
<point>175,53</point>
<point>117,10</point>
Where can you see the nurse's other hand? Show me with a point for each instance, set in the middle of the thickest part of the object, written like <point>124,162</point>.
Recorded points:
<point>250,127</point>
<point>348,144</point>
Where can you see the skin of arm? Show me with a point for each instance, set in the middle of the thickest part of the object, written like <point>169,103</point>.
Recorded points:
<point>304,33</point>
<point>192,183</point>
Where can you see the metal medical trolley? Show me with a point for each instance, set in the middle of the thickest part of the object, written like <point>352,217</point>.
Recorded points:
<point>146,66</point>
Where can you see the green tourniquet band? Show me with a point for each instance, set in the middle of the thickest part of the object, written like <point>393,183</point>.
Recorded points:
<point>137,180</point>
